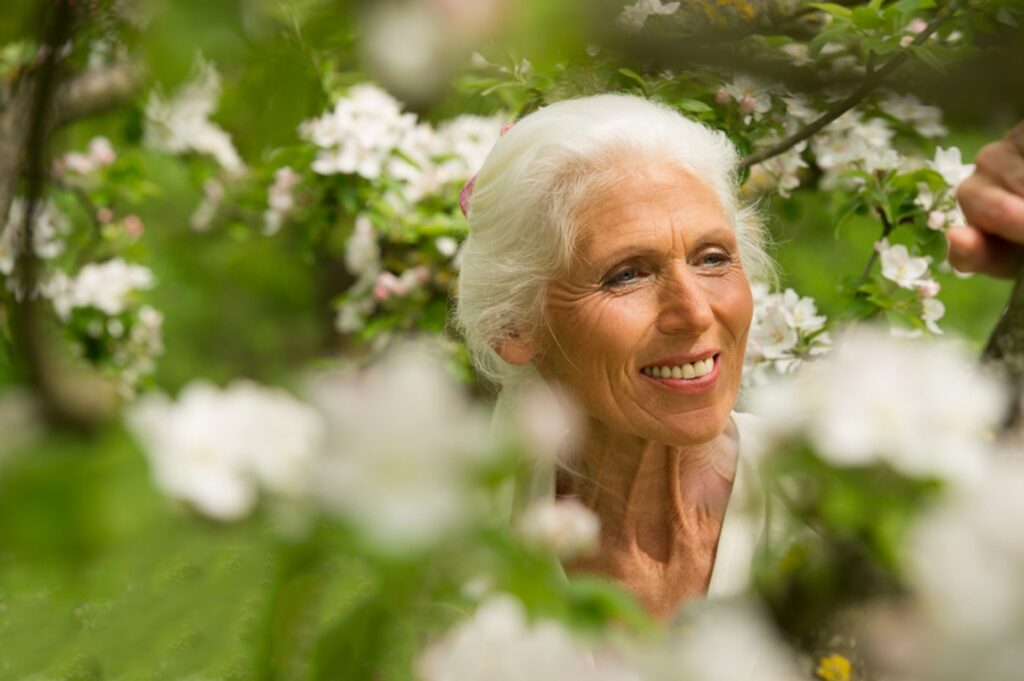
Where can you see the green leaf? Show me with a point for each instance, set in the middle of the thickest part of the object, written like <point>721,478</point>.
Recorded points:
<point>833,9</point>
<point>866,18</point>
<point>634,76</point>
<point>929,56</point>
<point>693,106</point>
<point>354,647</point>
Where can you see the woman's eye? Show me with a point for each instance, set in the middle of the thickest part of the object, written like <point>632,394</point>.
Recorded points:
<point>625,276</point>
<point>716,259</point>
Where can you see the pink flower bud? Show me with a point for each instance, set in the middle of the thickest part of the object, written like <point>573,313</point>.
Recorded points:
<point>133,225</point>
<point>104,215</point>
<point>101,151</point>
<point>928,288</point>
<point>722,96</point>
<point>748,104</point>
<point>917,25</point>
<point>385,286</point>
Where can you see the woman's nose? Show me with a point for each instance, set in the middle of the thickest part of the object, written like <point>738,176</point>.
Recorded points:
<point>684,307</point>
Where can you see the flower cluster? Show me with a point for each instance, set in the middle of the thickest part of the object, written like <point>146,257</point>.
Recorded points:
<point>403,445</point>
<point>786,329</point>
<point>280,199</point>
<point>853,142</point>
<point>403,168</point>
<point>99,154</point>
<point>181,124</point>
<point>391,451</point>
<point>500,644</point>
<point>215,448</point>
<point>106,286</point>
<point>926,411</point>
<point>49,227</point>
<point>368,134</point>
<point>912,273</point>
<point>941,207</point>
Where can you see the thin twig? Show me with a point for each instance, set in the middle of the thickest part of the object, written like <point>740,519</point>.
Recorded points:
<point>871,81</point>
<point>887,228</point>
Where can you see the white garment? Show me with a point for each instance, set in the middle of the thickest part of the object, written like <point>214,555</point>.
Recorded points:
<point>744,527</point>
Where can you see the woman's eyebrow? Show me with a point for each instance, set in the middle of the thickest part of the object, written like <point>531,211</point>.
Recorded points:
<point>621,255</point>
<point>715,235</point>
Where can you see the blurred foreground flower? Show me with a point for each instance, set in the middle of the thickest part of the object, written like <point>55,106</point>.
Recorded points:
<point>721,641</point>
<point>215,448</point>
<point>565,527</point>
<point>924,409</point>
<point>499,644</point>
<point>403,444</point>
<point>966,561</point>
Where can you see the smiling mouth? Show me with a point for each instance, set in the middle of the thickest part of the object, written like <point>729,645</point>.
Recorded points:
<point>687,371</point>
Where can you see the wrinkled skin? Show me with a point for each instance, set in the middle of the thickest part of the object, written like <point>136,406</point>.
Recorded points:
<point>657,276</point>
<point>993,203</point>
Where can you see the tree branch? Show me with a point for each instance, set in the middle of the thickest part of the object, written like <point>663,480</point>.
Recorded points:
<point>26,127</point>
<point>97,91</point>
<point>871,81</point>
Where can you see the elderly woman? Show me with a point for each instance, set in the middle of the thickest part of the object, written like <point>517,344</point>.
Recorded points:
<point>608,255</point>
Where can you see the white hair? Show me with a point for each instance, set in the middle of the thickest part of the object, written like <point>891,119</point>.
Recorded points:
<point>535,184</point>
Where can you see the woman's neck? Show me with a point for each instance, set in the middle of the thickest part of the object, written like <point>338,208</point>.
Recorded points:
<point>661,509</point>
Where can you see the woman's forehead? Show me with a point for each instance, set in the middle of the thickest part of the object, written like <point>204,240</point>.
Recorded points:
<point>657,202</point>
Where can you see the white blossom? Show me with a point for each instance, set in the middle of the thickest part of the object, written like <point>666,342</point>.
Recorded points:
<point>932,311</point>
<point>925,120</point>
<point>923,409</point>
<point>722,641</point>
<point>752,95</point>
<point>785,329</point>
<point>215,448</point>
<point>947,163</point>
<point>359,135</point>
<point>782,172</point>
<point>144,343</point>
<point>634,16</point>
<point>565,527</point>
<point>499,644</point>
<point>362,253</point>
<point>965,563</point>
<point>351,315</point>
<point>180,124</point>
<point>446,246</point>
<point>403,444</point>
<point>213,196</point>
<point>280,199</point>
<point>100,153</point>
<point>106,286</point>
<point>900,267</point>
<point>850,143</point>
<point>48,228</point>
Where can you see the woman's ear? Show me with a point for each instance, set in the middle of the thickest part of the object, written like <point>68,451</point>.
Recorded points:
<point>517,349</point>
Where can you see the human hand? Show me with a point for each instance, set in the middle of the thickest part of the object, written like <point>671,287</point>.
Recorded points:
<point>992,200</point>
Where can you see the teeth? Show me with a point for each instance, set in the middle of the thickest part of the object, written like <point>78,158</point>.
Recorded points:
<point>682,371</point>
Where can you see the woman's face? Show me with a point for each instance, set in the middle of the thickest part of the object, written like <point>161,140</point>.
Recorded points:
<point>647,329</point>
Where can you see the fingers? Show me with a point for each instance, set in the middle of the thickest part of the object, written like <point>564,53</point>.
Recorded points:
<point>1003,162</point>
<point>972,250</point>
<point>992,207</point>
